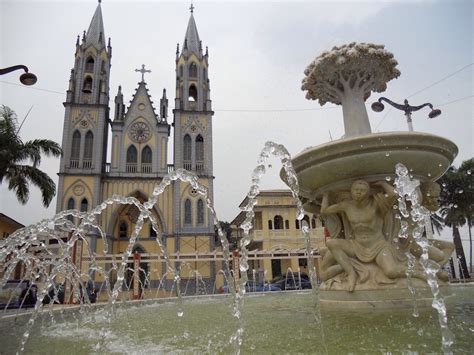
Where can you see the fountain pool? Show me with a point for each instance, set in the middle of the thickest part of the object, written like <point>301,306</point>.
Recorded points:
<point>276,322</point>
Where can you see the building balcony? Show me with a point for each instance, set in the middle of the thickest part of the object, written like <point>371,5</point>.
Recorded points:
<point>146,168</point>
<point>131,168</point>
<point>74,163</point>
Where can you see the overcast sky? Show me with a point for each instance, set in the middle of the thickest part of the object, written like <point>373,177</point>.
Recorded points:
<point>257,53</point>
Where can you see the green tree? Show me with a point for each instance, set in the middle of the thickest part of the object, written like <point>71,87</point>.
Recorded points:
<point>466,171</point>
<point>19,160</point>
<point>456,208</point>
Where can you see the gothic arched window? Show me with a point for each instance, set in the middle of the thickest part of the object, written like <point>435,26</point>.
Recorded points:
<point>181,71</point>
<point>90,65</point>
<point>187,212</point>
<point>306,219</point>
<point>199,148</point>
<point>193,93</point>
<point>193,70</point>
<point>88,146</point>
<point>313,222</point>
<point>146,160</point>
<point>70,206</point>
<point>123,229</point>
<point>187,148</point>
<point>146,155</point>
<point>278,222</point>
<point>84,205</point>
<point>87,86</point>
<point>200,212</point>
<point>76,145</point>
<point>132,155</point>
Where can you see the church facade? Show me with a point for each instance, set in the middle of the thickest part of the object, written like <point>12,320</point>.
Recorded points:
<point>140,136</point>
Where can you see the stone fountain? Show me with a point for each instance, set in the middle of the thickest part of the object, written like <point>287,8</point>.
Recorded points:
<point>347,182</point>
<point>369,260</point>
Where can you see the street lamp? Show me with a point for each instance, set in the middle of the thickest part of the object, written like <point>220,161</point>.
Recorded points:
<point>26,78</point>
<point>378,107</point>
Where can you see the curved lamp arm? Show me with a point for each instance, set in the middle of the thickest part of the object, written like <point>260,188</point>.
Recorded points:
<point>26,78</point>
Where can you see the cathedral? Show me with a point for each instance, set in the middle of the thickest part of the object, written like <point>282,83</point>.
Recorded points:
<point>140,136</point>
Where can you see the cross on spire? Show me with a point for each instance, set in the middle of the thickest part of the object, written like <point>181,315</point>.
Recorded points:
<point>143,71</point>
<point>191,7</point>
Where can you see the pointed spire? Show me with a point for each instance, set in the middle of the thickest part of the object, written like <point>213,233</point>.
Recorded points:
<point>95,33</point>
<point>191,40</point>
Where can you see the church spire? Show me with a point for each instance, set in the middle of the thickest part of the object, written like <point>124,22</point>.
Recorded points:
<point>95,33</point>
<point>191,40</point>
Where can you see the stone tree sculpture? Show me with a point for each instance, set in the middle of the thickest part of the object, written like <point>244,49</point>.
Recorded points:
<point>346,76</point>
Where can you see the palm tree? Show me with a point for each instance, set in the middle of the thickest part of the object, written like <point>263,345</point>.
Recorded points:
<point>455,207</point>
<point>19,161</point>
<point>466,170</point>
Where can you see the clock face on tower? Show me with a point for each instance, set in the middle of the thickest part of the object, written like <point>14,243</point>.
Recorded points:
<point>139,132</point>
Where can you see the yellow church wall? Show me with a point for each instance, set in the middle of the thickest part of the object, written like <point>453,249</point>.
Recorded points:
<point>186,193</point>
<point>77,187</point>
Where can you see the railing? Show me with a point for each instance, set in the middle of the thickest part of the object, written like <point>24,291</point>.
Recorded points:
<point>131,168</point>
<point>107,167</point>
<point>87,164</point>
<point>170,168</point>
<point>188,165</point>
<point>199,166</point>
<point>74,164</point>
<point>146,168</point>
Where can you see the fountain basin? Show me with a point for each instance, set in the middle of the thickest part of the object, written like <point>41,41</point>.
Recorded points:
<point>276,322</point>
<point>334,165</point>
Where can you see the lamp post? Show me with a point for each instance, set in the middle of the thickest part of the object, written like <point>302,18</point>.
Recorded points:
<point>378,106</point>
<point>26,78</point>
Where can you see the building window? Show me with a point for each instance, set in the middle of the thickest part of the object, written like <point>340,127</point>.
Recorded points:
<point>200,212</point>
<point>123,229</point>
<point>90,65</point>
<point>287,224</point>
<point>70,206</point>
<point>187,152</point>
<point>193,93</point>
<point>131,166</point>
<point>146,159</point>
<point>181,71</point>
<point>297,224</point>
<point>84,205</point>
<point>187,212</point>
<point>76,145</point>
<point>306,219</point>
<point>313,222</point>
<point>193,70</point>
<point>199,148</point>
<point>88,148</point>
<point>278,222</point>
<point>270,224</point>
<point>152,231</point>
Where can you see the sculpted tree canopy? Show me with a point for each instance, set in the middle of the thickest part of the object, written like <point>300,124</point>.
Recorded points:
<point>346,76</point>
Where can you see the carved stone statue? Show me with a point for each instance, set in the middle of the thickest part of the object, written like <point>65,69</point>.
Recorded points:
<point>366,250</point>
<point>365,242</point>
<point>439,251</point>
